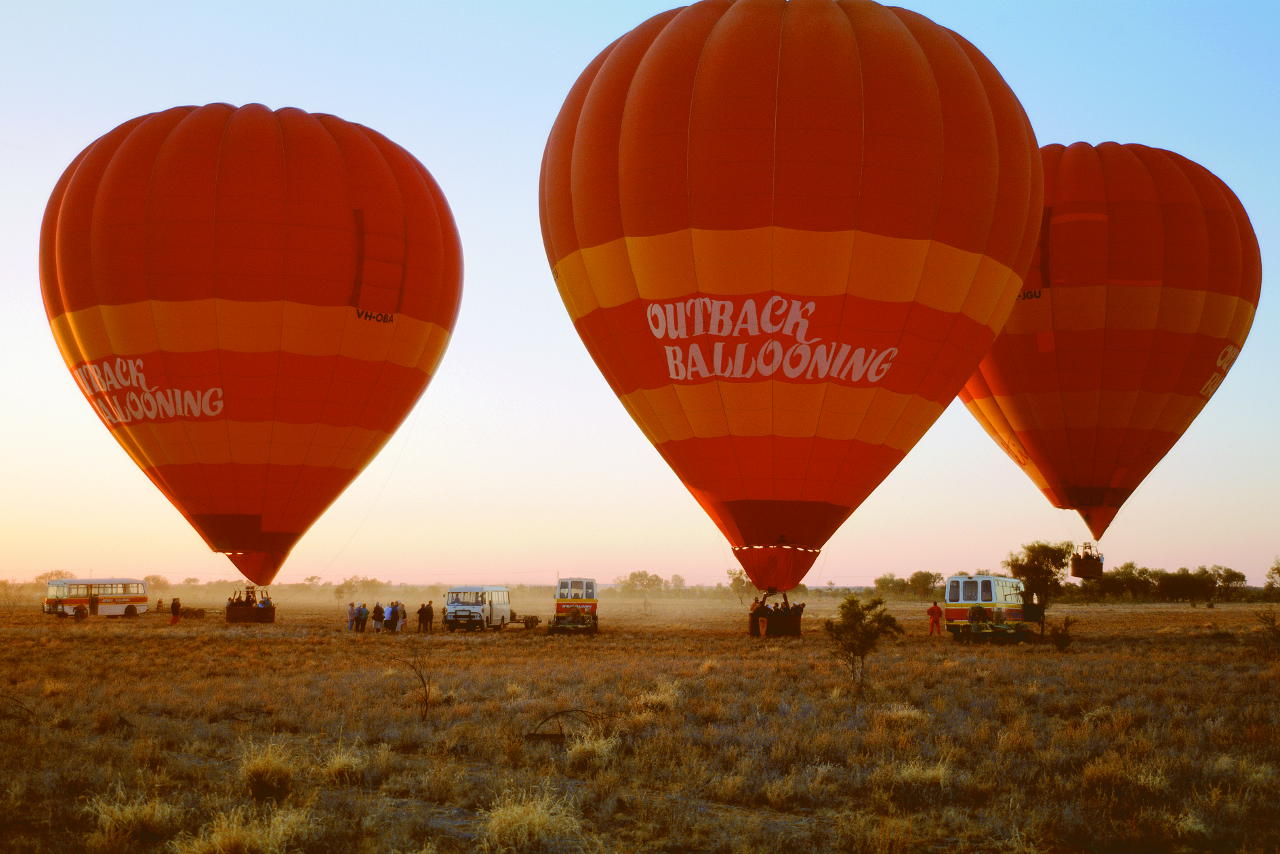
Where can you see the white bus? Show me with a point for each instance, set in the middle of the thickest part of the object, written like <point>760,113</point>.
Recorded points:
<point>108,597</point>
<point>477,608</point>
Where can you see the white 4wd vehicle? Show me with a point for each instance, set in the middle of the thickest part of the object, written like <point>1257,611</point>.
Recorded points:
<point>475,608</point>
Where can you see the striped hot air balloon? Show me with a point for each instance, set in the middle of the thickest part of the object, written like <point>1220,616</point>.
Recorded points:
<point>252,301</point>
<point>1136,305</point>
<point>786,233</point>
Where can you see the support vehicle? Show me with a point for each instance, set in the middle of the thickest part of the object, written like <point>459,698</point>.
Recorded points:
<point>989,608</point>
<point>576,606</point>
<point>108,597</point>
<point>477,607</point>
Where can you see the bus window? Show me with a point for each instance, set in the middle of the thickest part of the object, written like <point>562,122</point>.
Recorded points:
<point>953,591</point>
<point>986,590</point>
<point>970,591</point>
<point>577,590</point>
<point>591,590</point>
<point>564,590</point>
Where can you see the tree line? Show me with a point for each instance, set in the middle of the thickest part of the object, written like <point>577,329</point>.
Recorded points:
<point>1043,567</point>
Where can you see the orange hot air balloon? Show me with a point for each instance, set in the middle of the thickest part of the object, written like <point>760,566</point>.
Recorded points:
<point>1138,302</point>
<point>786,232</point>
<point>252,301</point>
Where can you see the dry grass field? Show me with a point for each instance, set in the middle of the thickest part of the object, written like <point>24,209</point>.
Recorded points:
<point>1158,730</point>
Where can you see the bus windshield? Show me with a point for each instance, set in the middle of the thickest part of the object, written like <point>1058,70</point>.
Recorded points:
<point>466,597</point>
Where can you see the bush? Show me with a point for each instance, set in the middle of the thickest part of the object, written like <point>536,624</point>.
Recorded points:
<point>858,632</point>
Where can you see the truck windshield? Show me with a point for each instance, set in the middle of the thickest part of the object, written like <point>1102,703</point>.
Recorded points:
<point>466,597</point>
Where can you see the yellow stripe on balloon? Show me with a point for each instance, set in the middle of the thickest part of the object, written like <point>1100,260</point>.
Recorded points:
<point>252,443</point>
<point>239,326</point>
<point>797,411</point>
<point>799,263</point>
<point>1100,409</point>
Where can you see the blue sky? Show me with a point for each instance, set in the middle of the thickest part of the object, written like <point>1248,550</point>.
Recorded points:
<point>486,482</point>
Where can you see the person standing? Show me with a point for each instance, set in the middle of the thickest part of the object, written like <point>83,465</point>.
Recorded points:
<point>753,618</point>
<point>431,616</point>
<point>378,614</point>
<point>351,616</point>
<point>422,618</point>
<point>175,611</point>
<point>362,617</point>
<point>935,619</point>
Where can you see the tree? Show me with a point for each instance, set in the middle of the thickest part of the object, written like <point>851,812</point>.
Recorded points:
<point>1230,581</point>
<point>1042,567</point>
<point>157,583</point>
<point>639,581</point>
<point>11,595</point>
<point>311,580</point>
<point>889,586</point>
<point>923,584</point>
<point>739,583</point>
<point>1131,581</point>
<point>857,633</point>
<point>190,581</point>
<point>53,575</point>
<point>1273,579</point>
<point>677,582</point>
<point>354,584</point>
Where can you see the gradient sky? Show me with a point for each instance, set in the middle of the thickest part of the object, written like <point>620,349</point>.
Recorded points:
<point>519,463</point>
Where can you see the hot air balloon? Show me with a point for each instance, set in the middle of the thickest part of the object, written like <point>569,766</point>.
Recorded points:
<point>1138,302</point>
<point>251,301</point>
<point>786,232</point>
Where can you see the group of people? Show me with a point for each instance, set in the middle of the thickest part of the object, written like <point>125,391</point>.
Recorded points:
<point>785,617</point>
<point>250,599</point>
<point>388,619</point>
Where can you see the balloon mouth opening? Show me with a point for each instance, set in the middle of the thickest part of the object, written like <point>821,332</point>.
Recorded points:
<point>778,546</point>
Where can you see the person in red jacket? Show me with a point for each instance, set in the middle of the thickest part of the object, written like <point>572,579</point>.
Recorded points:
<point>935,619</point>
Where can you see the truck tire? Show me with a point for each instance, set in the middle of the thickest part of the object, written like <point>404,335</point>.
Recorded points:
<point>131,611</point>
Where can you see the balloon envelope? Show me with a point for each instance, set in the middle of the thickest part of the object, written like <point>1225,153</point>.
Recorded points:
<point>1140,297</point>
<point>252,301</point>
<point>786,233</point>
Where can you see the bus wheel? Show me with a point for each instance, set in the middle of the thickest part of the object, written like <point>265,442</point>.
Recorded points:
<point>131,611</point>
<point>81,613</point>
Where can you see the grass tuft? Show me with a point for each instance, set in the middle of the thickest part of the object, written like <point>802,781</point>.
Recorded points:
<point>533,821</point>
